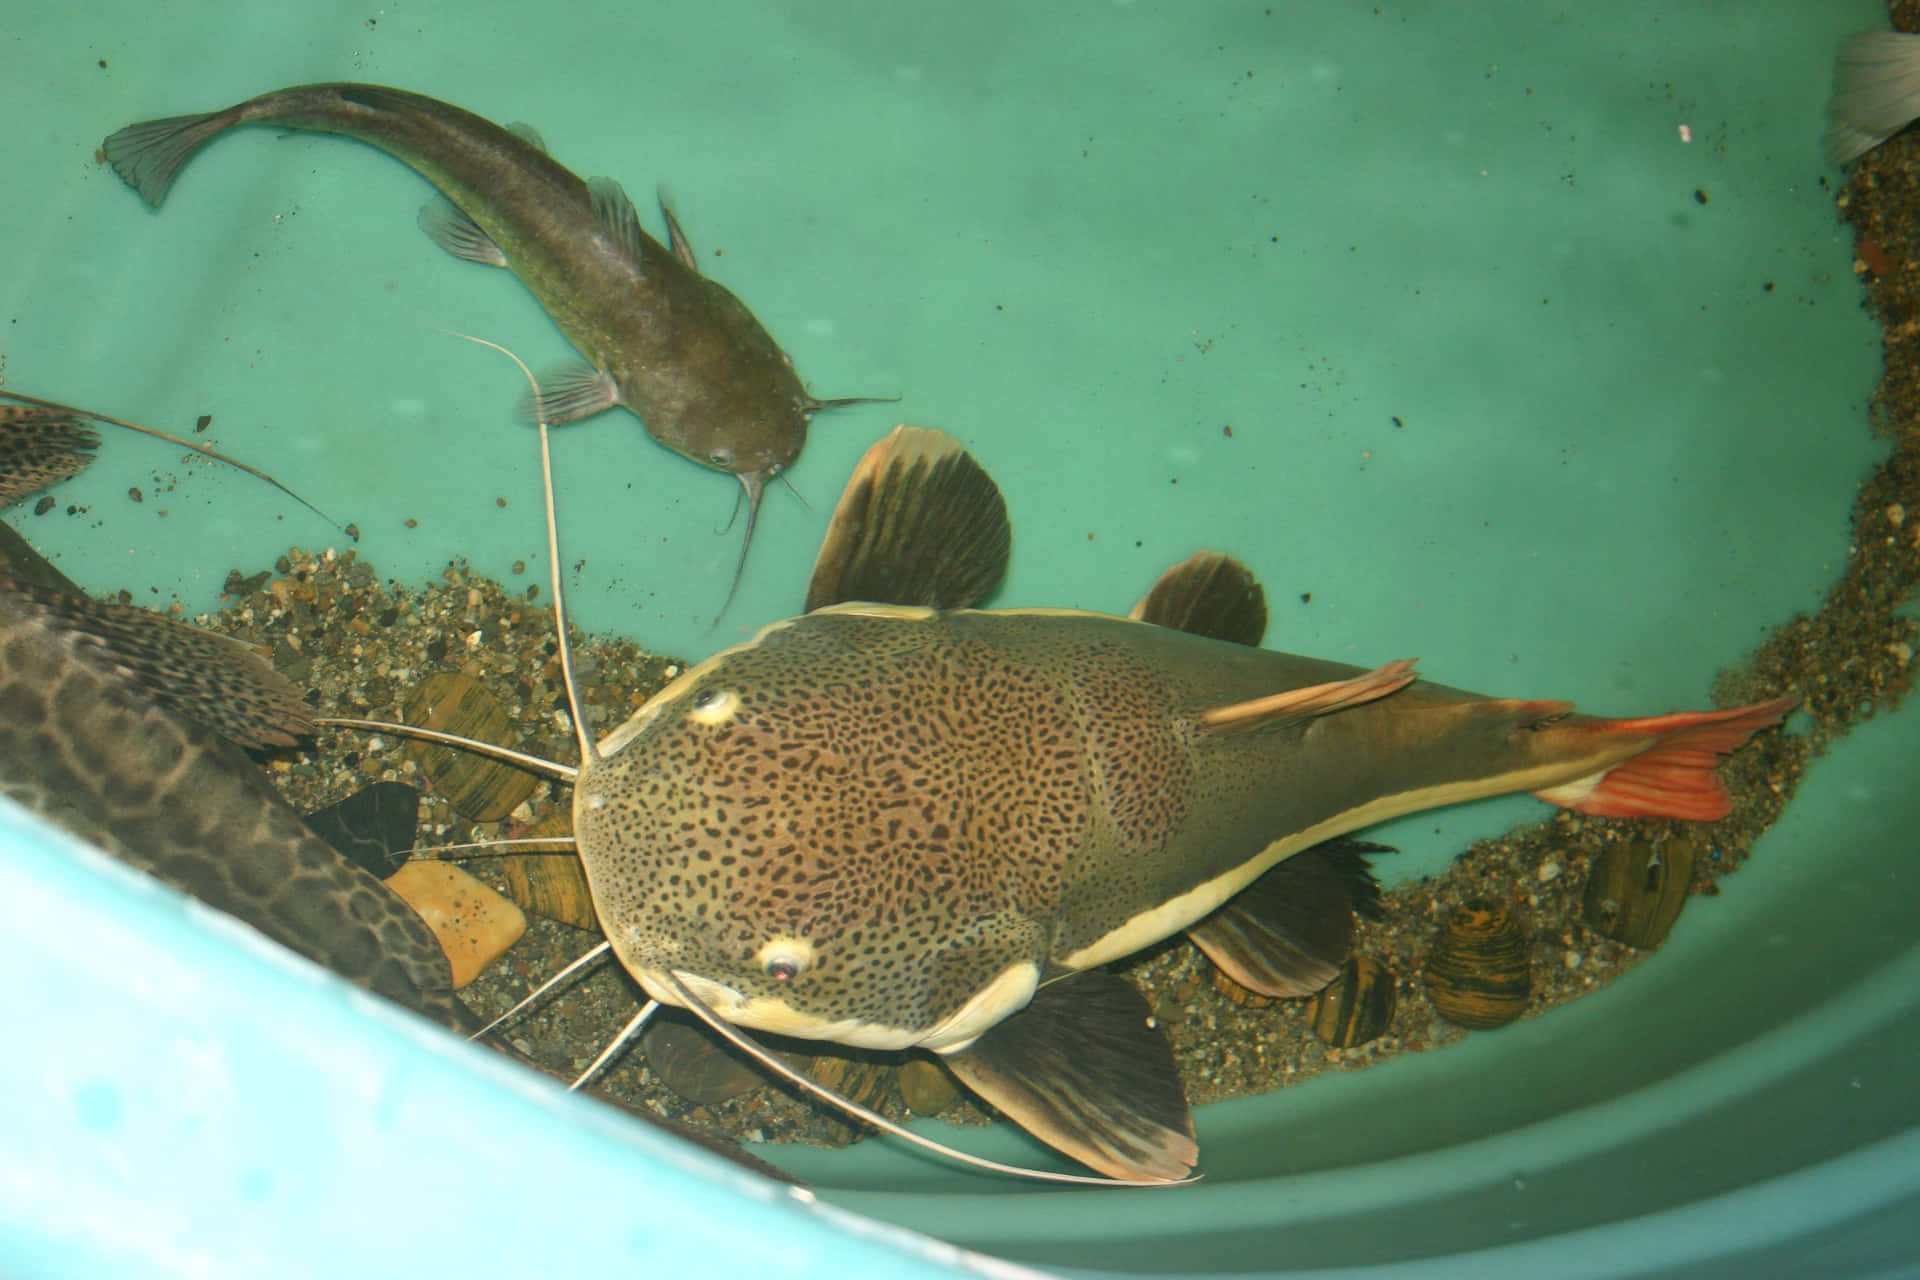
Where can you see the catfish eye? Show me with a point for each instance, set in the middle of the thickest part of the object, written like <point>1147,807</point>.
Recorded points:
<point>706,699</point>
<point>721,457</point>
<point>713,706</point>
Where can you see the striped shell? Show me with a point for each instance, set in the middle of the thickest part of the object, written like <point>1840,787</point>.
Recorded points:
<point>1480,971</point>
<point>1636,890</point>
<point>1357,1006</point>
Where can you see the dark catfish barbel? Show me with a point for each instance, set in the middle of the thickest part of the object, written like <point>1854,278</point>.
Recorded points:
<point>678,349</point>
<point>26,419</point>
<point>911,824</point>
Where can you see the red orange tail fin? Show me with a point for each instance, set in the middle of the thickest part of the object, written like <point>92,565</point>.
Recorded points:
<point>1675,776</point>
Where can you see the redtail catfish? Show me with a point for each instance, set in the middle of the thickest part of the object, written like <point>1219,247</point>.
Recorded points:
<point>676,348</point>
<point>910,824</point>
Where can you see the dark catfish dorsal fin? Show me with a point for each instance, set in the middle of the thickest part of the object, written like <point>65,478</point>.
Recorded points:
<point>210,679</point>
<point>617,217</point>
<point>920,523</point>
<point>40,446</point>
<point>448,226</point>
<point>1208,594</point>
<point>1084,1069</point>
<point>373,828</point>
<point>1288,933</point>
<point>676,236</point>
<point>1314,700</point>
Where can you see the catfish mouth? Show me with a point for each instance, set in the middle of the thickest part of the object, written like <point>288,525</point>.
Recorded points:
<point>764,1013</point>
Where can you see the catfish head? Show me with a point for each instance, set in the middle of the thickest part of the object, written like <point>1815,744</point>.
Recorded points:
<point>787,829</point>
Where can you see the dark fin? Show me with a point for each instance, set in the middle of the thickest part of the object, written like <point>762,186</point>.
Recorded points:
<point>617,217</point>
<point>148,156</point>
<point>215,681</point>
<point>1208,594</point>
<point>1288,933</point>
<point>920,523</point>
<point>1873,93</point>
<point>40,447</point>
<point>16,398</point>
<point>1314,700</point>
<point>20,562</point>
<point>682,247</point>
<point>529,135</point>
<point>1084,1069</point>
<point>373,828</point>
<point>448,226</point>
<point>570,394</point>
<point>1676,774</point>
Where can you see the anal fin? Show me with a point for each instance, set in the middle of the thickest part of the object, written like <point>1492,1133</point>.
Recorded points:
<point>1084,1069</point>
<point>1208,594</point>
<point>1288,933</point>
<point>920,523</point>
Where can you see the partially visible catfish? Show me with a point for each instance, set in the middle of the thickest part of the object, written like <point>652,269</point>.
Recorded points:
<point>679,350</point>
<point>121,726</point>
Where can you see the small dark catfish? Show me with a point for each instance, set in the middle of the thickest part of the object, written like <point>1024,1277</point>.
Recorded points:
<point>679,350</point>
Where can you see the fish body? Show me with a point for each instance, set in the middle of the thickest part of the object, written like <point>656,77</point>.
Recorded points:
<point>921,825</point>
<point>932,812</point>
<point>676,348</point>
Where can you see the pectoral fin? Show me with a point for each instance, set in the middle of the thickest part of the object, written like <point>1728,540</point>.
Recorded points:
<point>1084,1069</point>
<point>1208,594</point>
<point>570,394</point>
<point>1288,933</point>
<point>40,447</point>
<point>373,828</point>
<point>920,523</point>
<point>448,226</point>
<point>1314,700</point>
<point>211,679</point>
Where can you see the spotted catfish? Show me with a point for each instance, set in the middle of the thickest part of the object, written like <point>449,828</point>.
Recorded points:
<point>916,825</point>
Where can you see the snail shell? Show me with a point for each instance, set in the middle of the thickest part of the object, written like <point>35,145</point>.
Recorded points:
<point>1636,890</point>
<point>1357,1006</point>
<point>1238,994</point>
<point>696,1064</point>
<point>1480,971</point>
<point>551,883</point>
<point>479,789</point>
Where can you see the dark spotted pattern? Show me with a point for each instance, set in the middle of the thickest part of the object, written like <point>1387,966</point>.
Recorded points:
<point>1140,758</point>
<point>40,446</point>
<point>87,749</point>
<point>930,798</point>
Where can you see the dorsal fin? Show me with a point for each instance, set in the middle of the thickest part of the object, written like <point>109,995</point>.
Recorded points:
<point>920,523</point>
<point>213,680</point>
<point>616,216</point>
<point>1288,933</point>
<point>1208,594</point>
<point>40,446</point>
<point>1085,1069</point>
<point>1311,701</point>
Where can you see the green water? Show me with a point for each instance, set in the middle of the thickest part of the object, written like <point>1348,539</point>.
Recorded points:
<point>1519,380</point>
